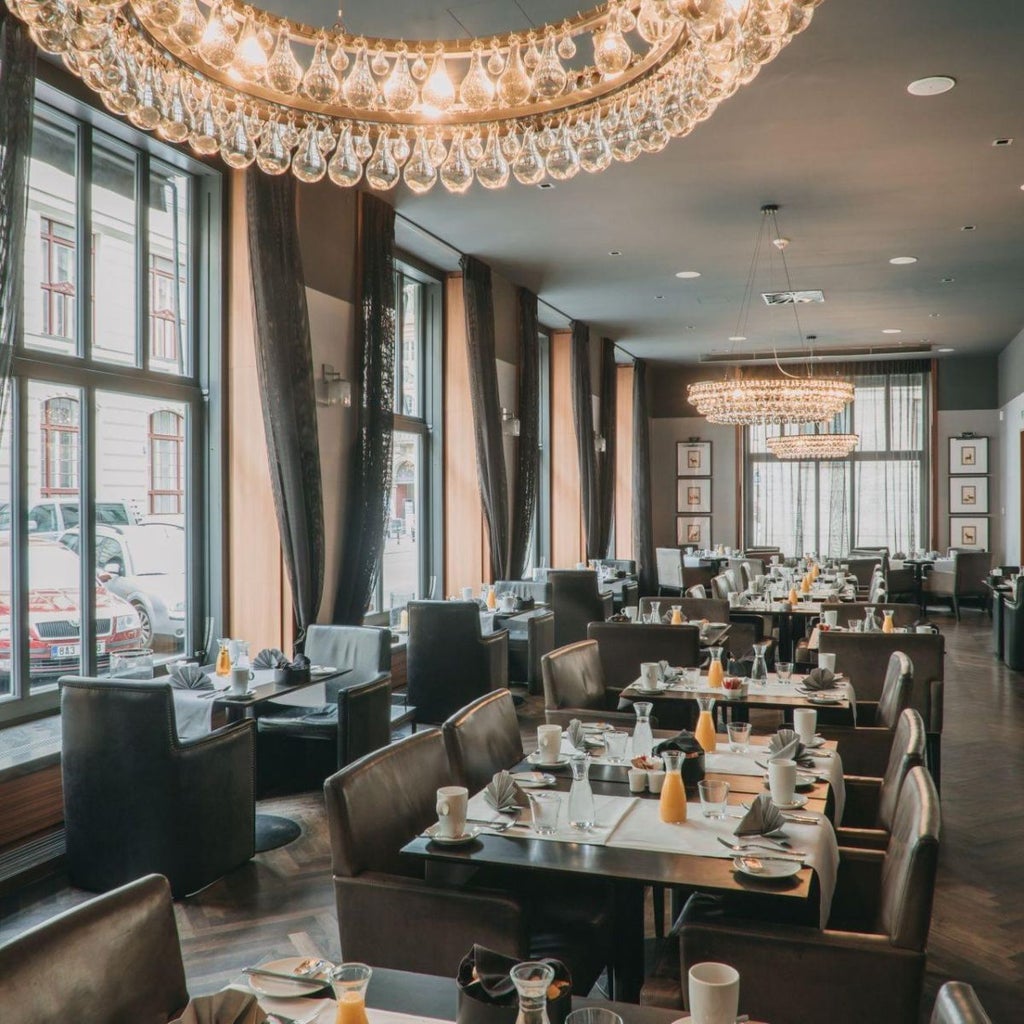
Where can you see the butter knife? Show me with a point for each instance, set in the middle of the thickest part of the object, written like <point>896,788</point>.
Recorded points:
<point>310,981</point>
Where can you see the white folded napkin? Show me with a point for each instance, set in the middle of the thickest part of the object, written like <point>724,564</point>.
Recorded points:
<point>502,794</point>
<point>574,733</point>
<point>189,677</point>
<point>762,818</point>
<point>270,657</point>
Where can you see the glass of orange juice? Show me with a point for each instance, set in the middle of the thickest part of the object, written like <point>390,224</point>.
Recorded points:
<point>349,982</point>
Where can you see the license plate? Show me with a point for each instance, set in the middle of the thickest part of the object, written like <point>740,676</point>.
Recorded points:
<point>60,651</point>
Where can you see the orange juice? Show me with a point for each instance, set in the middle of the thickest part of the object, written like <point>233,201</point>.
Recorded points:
<point>677,615</point>
<point>716,673</point>
<point>794,597</point>
<point>492,599</point>
<point>704,734</point>
<point>351,1009</point>
<point>672,804</point>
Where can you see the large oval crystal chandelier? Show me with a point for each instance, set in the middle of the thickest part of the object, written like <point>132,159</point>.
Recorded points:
<point>812,447</point>
<point>231,78</point>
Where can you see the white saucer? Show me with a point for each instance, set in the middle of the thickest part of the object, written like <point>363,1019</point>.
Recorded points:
<point>797,803</point>
<point>284,989</point>
<point>801,783</point>
<point>824,701</point>
<point>770,868</point>
<point>645,691</point>
<point>226,695</point>
<point>534,758</point>
<point>466,837</point>
<point>533,780</point>
<point>818,741</point>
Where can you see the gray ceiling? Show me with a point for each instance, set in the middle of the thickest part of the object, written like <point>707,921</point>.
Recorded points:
<point>862,171</point>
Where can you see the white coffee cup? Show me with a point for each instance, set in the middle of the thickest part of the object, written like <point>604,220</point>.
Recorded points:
<point>549,742</point>
<point>926,629</point>
<point>650,673</point>
<point>467,594</point>
<point>714,993</point>
<point>831,618</point>
<point>827,661</point>
<point>655,780</point>
<point>452,805</point>
<point>805,721</point>
<point>240,679</point>
<point>631,612</point>
<point>637,780</point>
<point>782,781</point>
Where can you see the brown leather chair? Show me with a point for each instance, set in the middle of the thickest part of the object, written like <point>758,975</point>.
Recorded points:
<point>698,576</point>
<point>957,1003</point>
<point>721,587</point>
<point>865,747</point>
<point>390,914</point>
<point>708,608</point>
<point>871,803</point>
<point>531,635</point>
<point>137,800</point>
<point>577,601</point>
<point>864,569</point>
<point>697,592</point>
<point>902,614</point>
<point>115,959</point>
<point>878,930</point>
<point>449,661</point>
<point>483,738</point>
<point>670,570</point>
<point>961,578</point>
<point>574,686</point>
<point>624,645</point>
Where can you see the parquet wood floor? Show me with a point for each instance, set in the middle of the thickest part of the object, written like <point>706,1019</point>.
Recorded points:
<point>282,902</point>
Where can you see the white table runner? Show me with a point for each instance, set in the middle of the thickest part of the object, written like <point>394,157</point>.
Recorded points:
<point>772,688</point>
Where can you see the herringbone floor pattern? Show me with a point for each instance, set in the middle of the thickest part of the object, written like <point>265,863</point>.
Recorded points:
<point>281,903</point>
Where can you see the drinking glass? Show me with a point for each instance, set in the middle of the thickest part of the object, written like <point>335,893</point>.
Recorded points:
<point>784,670</point>
<point>593,1015</point>
<point>691,678</point>
<point>615,741</point>
<point>739,736</point>
<point>544,809</point>
<point>713,796</point>
<point>853,625</point>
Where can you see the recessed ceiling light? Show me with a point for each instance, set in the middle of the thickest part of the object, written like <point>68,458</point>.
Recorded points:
<point>892,330</point>
<point>935,85</point>
<point>659,296</point>
<point>935,316</point>
<point>1002,142</point>
<point>947,349</point>
<point>686,275</point>
<point>614,252</point>
<point>546,185</point>
<point>946,280</point>
<point>969,227</point>
<point>903,261</point>
<point>738,337</point>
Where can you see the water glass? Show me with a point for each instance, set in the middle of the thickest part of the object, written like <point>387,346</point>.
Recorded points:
<point>691,678</point>
<point>784,670</point>
<point>615,743</point>
<point>544,808</point>
<point>713,796</point>
<point>593,1015</point>
<point>739,736</point>
<point>853,625</point>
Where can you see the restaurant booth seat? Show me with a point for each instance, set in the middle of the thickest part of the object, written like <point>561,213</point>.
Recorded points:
<point>577,601</point>
<point>483,738</point>
<point>450,662</point>
<point>1013,628</point>
<point>957,579</point>
<point>868,964</point>
<point>958,1003</point>
<point>114,959</point>
<point>393,912</point>
<point>138,800</point>
<point>624,645</point>
<point>574,686</point>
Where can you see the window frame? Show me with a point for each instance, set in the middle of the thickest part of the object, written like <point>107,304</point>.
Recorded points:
<point>50,431</point>
<point>178,441</point>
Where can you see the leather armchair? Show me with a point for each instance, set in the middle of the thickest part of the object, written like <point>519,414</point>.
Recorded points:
<point>878,931</point>
<point>576,602</point>
<point>574,686</point>
<point>670,570</point>
<point>957,1003</point>
<point>483,738</point>
<point>530,636</point>
<point>623,646</point>
<point>450,662</point>
<point>721,587</point>
<point>697,592</point>
<point>390,914</point>
<point>864,569</point>
<point>112,960</point>
<point>904,615</point>
<point>137,800</point>
<point>697,576</point>
<point>962,577</point>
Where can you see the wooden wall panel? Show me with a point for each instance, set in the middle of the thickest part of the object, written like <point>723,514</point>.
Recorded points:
<point>624,462</point>
<point>567,542</point>
<point>31,803</point>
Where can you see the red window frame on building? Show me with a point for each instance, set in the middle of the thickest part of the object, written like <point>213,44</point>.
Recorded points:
<point>163,323</point>
<point>58,296</point>
<point>56,432</point>
<point>173,445</point>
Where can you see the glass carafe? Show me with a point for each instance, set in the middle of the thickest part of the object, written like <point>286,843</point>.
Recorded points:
<point>655,611</point>
<point>580,810</point>
<point>532,980</point>
<point>349,982</point>
<point>241,654</point>
<point>759,671</point>
<point>643,738</point>
<point>888,626</point>
<point>705,733</point>
<point>716,671</point>
<point>223,667</point>
<point>672,804</point>
<point>677,615</point>
<point>870,622</point>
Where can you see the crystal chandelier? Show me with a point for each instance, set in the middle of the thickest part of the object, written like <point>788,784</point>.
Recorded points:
<point>232,79</point>
<point>747,400</point>
<point>812,447</point>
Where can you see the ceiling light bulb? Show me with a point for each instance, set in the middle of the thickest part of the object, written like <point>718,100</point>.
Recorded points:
<point>438,91</point>
<point>903,261</point>
<point>945,349</point>
<point>687,275</point>
<point>892,330</point>
<point>935,85</point>
<point>738,337</point>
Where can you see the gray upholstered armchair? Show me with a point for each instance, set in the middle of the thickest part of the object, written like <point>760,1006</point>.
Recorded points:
<point>959,578</point>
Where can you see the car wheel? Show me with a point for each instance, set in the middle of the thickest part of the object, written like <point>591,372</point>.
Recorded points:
<point>145,624</point>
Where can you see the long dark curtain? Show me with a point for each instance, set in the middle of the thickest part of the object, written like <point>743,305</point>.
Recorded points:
<point>643,524</point>
<point>284,363</point>
<point>583,415</point>
<point>527,468</point>
<point>17,81</point>
<point>369,487</point>
<point>606,459</point>
<point>483,388</point>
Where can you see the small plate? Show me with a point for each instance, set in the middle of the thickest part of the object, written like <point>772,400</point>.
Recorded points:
<point>237,696</point>
<point>717,625</point>
<point>802,783</point>
<point>644,690</point>
<point>769,868</point>
<point>284,989</point>
<point>466,837</point>
<point>818,741</point>
<point>533,780</point>
<point>596,726</point>
<point>798,802</point>
<point>824,701</point>
<point>322,670</point>
<point>534,758</point>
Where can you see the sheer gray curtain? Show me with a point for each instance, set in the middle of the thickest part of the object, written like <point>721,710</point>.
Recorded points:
<point>17,80</point>
<point>366,502</point>
<point>583,415</point>
<point>483,389</point>
<point>606,459</point>
<point>527,466</point>
<point>284,362</point>
<point>643,523</point>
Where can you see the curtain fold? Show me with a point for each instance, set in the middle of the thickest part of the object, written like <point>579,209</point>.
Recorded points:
<point>483,388</point>
<point>17,82</point>
<point>527,466</point>
<point>284,363</point>
<point>583,416</point>
<point>606,459</point>
<point>369,487</point>
<point>643,524</point>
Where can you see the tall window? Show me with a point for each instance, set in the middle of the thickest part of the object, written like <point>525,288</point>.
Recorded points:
<point>874,498</point>
<point>163,318</point>
<point>166,462</point>
<point>57,280</point>
<point>59,431</point>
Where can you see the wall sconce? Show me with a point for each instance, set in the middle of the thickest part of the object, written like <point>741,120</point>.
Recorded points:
<point>332,388</point>
<point>509,423</point>
<point>600,444</point>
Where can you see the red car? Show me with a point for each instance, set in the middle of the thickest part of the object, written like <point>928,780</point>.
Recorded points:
<point>54,614</point>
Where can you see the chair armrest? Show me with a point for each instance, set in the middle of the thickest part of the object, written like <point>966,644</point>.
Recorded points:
<point>863,838</point>
<point>495,646</point>
<point>865,751</point>
<point>858,888</point>
<point>862,797</point>
<point>608,601</point>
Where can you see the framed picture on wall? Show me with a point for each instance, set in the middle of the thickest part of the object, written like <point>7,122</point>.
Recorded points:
<point>693,495</point>
<point>968,532</point>
<point>693,458</point>
<point>693,531</point>
<point>968,455</point>
<point>968,495</point>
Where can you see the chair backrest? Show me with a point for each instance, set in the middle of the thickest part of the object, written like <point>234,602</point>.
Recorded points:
<point>693,607</point>
<point>576,602</point>
<point>670,568</point>
<point>721,587</point>
<point>735,578</point>
<point>903,614</point>
<point>897,689</point>
<point>623,646</point>
<point>366,650</point>
<point>957,1003</point>
<point>907,752</point>
<point>115,958</point>
<point>626,565</point>
<point>863,569</point>
<point>698,576</point>
<point>911,860</point>
<point>538,591</point>
<point>377,804</point>
<point>972,568</point>
<point>574,677</point>
<point>483,738</point>
<point>364,719</point>
<point>697,592</point>
<point>755,566</point>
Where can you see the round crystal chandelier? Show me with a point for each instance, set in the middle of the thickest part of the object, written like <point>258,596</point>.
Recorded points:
<point>749,400</point>
<point>812,447</point>
<point>229,78</point>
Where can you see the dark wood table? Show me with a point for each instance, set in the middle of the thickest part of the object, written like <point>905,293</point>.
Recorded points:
<point>754,698</point>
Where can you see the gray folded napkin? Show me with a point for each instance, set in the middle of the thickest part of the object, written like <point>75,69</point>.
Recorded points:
<point>785,745</point>
<point>762,818</point>
<point>819,679</point>
<point>189,677</point>
<point>575,735</point>
<point>226,1007</point>
<point>270,657</point>
<point>502,794</point>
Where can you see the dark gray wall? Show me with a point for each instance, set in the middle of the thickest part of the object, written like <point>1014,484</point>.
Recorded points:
<point>1011,370</point>
<point>968,382</point>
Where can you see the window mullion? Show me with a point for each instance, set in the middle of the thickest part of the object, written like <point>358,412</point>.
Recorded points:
<point>143,340</point>
<point>83,241</point>
<point>87,530</point>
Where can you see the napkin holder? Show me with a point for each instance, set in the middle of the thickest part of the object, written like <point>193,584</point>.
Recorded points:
<point>472,1009</point>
